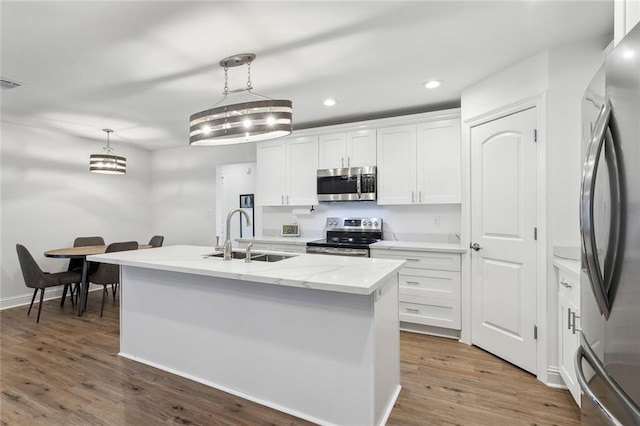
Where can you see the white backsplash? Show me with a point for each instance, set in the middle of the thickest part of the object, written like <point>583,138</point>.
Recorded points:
<point>433,223</point>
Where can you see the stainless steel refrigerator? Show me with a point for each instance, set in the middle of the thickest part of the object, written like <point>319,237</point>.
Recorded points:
<point>608,359</point>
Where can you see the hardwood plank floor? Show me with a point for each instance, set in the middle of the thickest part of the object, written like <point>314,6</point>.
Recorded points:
<point>66,371</point>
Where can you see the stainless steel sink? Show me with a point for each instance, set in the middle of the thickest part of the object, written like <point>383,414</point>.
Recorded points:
<point>269,257</point>
<point>234,255</point>
<point>258,257</point>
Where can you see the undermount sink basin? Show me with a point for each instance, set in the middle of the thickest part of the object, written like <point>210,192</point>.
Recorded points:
<point>258,257</point>
<point>269,257</point>
<point>234,255</point>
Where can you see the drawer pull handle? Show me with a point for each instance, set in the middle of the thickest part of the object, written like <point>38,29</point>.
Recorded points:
<point>413,311</point>
<point>413,282</point>
<point>565,284</point>
<point>414,260</point>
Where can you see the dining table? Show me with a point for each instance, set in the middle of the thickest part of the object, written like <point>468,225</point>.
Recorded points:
<point>82,253</point>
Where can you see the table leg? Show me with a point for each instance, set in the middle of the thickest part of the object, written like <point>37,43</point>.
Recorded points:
<point>84,285</point>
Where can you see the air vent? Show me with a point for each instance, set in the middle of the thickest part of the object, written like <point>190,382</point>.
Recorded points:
<point>8,84</point>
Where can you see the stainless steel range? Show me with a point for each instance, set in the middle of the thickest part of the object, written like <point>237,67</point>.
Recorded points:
<point>348,236</point>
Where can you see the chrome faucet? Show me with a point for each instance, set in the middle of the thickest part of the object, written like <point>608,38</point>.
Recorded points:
<point>247,253</point>
<point>226,247</point>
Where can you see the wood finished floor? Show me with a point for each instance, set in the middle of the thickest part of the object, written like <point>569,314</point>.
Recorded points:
<point>66,371</point>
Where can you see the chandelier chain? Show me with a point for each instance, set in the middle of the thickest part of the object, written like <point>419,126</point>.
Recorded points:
<point>226,81</point>
<point>249,87</point>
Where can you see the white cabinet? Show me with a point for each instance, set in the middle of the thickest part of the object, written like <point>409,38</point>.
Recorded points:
<point>351,149</point>
<point>568,321</point>
<point>286,171</point>
<point>429,291</point>
<point>419,164</point>
<point>626,15</point>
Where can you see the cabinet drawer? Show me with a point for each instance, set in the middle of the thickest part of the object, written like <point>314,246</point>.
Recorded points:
<point>569,287</point>
<point>290,248</point>
<point>430,283</point>
<point>424,259</point>
<point>430,311</point>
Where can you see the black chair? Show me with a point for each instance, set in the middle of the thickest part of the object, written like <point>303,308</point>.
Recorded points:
<point>110,274</point>
<point>35,278</point>
<point>75,265</point>
<point>156,241</point>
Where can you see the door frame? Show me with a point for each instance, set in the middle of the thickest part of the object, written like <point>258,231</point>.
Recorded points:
<point>540,103</point>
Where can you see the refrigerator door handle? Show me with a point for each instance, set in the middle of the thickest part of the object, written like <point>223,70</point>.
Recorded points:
<point>585,351</point>
<point>601,137</point>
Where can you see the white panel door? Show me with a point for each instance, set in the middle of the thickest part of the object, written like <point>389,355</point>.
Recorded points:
<point>439,162</point>
<point>332,151</point>
<point>271,162</point>
<point>397,165</point>
<point>503,218</point>
<point>361,148</point>
<point>302,175</point>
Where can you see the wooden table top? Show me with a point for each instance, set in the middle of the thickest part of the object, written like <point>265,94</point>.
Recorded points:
<point>83,251</point>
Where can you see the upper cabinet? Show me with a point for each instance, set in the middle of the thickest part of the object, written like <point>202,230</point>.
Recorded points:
<point>351,149</point>
<point>420,163</point>
<point>286,171</point>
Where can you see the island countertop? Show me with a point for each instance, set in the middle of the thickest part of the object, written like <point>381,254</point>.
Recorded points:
<point>342,274</point>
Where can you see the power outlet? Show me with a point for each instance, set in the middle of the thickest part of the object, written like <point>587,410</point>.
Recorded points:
<point>436,221</point>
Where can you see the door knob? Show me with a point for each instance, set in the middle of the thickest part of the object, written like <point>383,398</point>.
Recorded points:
<point>475,246</point>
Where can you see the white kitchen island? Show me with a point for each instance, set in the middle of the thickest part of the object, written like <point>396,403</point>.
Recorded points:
<point>314,336</point>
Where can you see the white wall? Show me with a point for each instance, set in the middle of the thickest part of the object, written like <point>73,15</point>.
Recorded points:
<point>183,193</point>
<point>233,180</point>
<point>49,198</point>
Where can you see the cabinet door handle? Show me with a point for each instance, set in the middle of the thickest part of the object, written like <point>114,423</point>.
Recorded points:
<point>573,323</point>
<point>287,200</point>
<point>569,319</point>
<point>565,284</point>
<point>413,282</point>
<point>413,260</point>
<point>420,196</point>
<point>413,311</point>
<point>282,200</point>
<point>348,161</point>
<point>342,160</point>
<point>413,196</point>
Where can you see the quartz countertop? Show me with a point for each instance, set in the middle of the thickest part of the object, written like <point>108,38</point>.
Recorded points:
<point>568,265</point>
<point>419,246</point>
<point>298,241</point>
<point>355,275</point>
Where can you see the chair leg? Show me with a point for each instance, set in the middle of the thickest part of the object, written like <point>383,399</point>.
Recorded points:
<point>114,287</point>
<point>71,294</point>
<point>40,305</point>
<point>32,299</point>
<point>104,292</point>
<point>64,294</point>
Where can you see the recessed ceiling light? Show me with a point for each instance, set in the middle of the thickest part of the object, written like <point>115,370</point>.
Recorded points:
<point>432,84</point>
<point>330,102</point>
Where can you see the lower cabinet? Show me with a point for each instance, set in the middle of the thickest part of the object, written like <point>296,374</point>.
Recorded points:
<point>429,287</point>
<point>568,338</point>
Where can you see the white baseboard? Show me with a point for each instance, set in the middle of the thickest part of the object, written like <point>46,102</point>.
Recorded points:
<point>427,329</point>
<point>25,299</point>
<point>554,380</point>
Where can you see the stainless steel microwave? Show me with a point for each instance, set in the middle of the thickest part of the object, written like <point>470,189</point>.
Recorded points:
<point>347,184</point>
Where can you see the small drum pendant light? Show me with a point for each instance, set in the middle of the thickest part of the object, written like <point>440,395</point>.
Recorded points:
<point>241,122</point>
<point>106,162</point>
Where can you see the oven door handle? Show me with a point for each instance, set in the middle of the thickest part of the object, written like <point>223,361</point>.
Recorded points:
<point>359,183</point>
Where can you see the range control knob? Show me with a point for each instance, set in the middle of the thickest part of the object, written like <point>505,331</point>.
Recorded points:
<point>375,223</point>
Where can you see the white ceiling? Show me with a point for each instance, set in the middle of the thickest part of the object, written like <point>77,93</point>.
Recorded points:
<point>143,67</point>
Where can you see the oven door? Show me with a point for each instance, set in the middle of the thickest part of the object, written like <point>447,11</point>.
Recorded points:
<point>338,251</point>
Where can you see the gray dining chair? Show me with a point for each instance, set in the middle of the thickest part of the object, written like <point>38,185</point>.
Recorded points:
<point>75,265</point>
<point>110,274</point>
<point>36,278</point>
<point>156,241</point>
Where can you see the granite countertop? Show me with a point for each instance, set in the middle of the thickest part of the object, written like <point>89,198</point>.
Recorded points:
<point>298,241</point>
<point>354,275</point>
<point>419,246</point>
